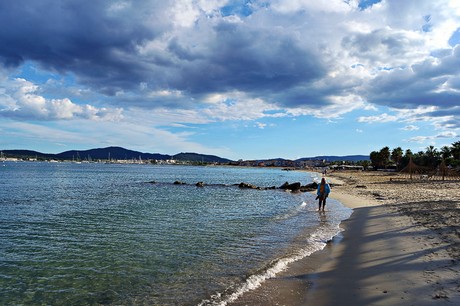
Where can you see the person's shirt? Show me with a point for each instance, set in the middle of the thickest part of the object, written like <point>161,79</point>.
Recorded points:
<point>327,189</point>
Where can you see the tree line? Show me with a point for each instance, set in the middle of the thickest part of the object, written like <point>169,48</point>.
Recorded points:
<point>431,157</point>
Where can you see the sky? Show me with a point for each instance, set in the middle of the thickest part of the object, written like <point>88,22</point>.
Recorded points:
<point>239,79</point>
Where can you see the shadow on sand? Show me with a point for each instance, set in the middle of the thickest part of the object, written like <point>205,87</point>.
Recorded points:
<point>384,259</point>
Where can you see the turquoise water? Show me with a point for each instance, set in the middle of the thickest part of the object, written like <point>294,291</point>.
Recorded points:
<point>90,234</point>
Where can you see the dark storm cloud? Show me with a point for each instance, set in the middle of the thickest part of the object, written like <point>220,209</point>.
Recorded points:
<point>379,44</point>
<point>425,83</point>
<point>84,37</point>
<point>248,60</point>
<point>300,97</point>
<point>140,53</point>
<point>101,48</point>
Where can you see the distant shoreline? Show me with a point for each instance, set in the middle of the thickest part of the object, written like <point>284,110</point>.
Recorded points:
<point>122,154</point>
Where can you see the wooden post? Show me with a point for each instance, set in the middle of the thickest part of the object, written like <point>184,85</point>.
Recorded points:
<point>411,166</point>
<point>443,169</point>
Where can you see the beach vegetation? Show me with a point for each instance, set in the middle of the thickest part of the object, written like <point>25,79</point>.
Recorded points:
<point>455,150</point>
<point>396,156</point>
<point>380,159</point>
<point>431,157</point>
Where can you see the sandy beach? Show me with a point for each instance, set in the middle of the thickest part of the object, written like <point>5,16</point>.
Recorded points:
<point>401,246</point>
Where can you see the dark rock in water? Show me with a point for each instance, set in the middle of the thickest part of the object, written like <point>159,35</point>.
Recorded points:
<point>152,182</point>
<point>294,186</point>
<point>310,187</point>
<point>284,186</point>
<point>247,185</point>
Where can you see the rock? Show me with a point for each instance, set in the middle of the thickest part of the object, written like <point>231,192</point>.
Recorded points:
<point>179,183</point>
<point>310,187</point>
<point>284,186</point>
<point>440,295</point>
<point>294,186</point>
<point>247,186</point>
<point>361,186</point>
<point>199,184</point>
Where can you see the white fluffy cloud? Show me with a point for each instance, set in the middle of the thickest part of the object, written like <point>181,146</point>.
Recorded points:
<point>22,100</point>
<point>422,139</point>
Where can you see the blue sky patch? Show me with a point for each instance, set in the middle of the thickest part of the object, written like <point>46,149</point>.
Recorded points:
<point>364,4</point>
<point>240,8</point>
<point>455,38</point>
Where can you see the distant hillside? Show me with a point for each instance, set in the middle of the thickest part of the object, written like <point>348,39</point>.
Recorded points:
<point>26,154</point>
<point>119,153</point>
<point>114,153</point>
<point>353,158</point>
<point>194,157</point>
<point>110,153</point>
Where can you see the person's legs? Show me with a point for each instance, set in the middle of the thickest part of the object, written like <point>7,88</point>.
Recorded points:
<point>321,203</point>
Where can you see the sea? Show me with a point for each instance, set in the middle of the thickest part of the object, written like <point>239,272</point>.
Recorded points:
<point>125,234</point>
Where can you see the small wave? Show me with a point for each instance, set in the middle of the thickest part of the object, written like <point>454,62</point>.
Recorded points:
<point>316,242</point>
<point>291,213</point>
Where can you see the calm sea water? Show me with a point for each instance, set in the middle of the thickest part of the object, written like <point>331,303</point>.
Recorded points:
<point>90,234</point>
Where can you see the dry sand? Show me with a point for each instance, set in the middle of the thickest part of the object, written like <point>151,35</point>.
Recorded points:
<point>401,246</point>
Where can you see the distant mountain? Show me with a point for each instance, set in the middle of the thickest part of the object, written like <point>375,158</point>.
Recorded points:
<point>26,154</point>
<point>110,153</point>
<point>353,158</point>
<point>194,157</point>
<point>125,154</point>
<point>115,153</point>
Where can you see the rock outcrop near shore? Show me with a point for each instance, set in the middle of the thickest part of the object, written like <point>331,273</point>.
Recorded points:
<point>294,187</point>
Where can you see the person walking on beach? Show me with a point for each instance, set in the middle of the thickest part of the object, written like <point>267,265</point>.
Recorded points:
<point>323,191</point>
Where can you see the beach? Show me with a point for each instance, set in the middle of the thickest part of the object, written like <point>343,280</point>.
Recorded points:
<point>401,246</point>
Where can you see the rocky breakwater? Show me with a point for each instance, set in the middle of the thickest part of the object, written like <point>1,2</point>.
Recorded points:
<point>298,187</point>
<point>293,187</point>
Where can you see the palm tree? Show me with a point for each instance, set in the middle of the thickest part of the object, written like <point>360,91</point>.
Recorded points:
<point>446,152</point>
<point>455,150</point>
<point>396,156</point>
<point>365,163</point>
<point>431,150</point>
<point>385,156</point>
<point>432,156</point>
<point>405,159</point>
<point>375,159</point>
<point>408,153</point>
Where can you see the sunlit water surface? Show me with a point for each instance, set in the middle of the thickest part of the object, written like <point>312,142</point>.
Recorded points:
<point>104,234</point>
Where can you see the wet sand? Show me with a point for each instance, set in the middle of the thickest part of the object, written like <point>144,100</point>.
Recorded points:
<point>401,246</point>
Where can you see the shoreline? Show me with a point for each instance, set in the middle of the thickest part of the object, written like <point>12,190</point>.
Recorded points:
<point>397,248</point>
